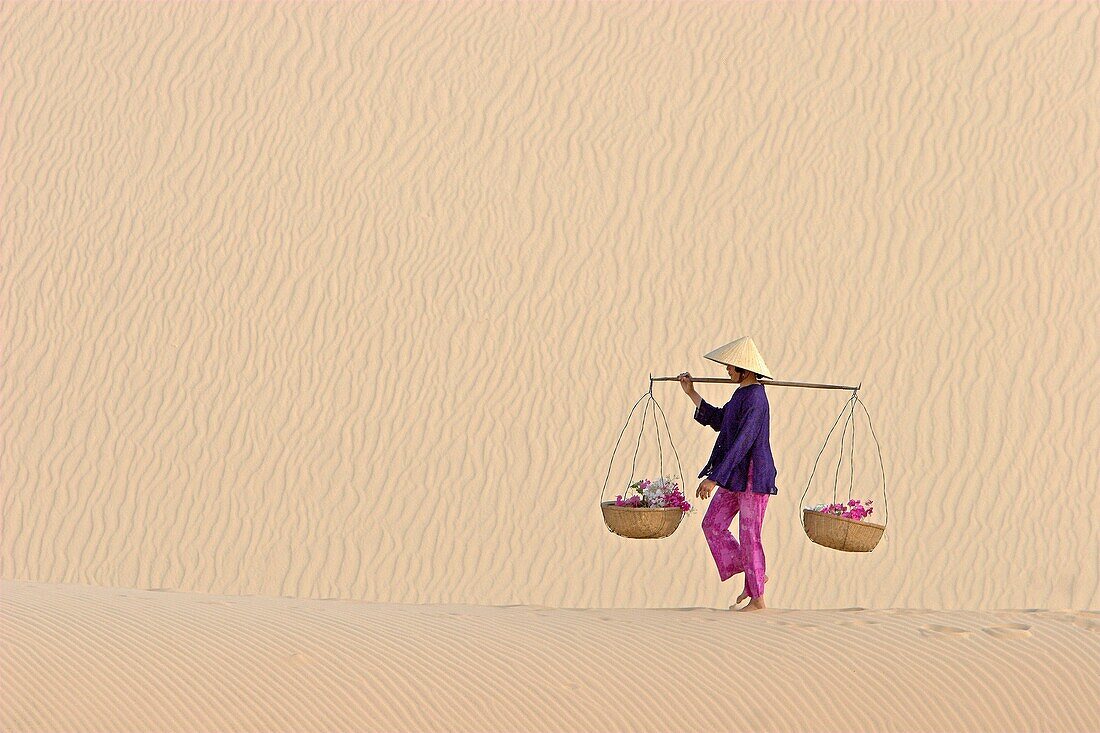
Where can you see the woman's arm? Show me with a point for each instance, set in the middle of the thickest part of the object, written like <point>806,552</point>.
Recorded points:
<point>707,414</point>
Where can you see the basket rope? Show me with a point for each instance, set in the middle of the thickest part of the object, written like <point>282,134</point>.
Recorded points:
<point>849,407</point>
<point>638,445</point>
<point>656,429</point>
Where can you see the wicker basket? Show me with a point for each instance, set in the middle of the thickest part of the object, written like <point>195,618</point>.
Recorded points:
<point>641,523</point>
<point>841,533</point>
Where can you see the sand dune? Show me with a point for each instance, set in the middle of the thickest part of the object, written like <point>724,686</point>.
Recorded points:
<point>92,658</point>
<point>350,301</point>
<point>357,298</point>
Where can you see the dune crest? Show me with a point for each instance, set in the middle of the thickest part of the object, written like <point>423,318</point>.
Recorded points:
<point>285,664</point>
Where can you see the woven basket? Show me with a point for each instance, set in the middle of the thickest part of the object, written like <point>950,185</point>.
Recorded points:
<point>641,523</point>
<point>841,533</point>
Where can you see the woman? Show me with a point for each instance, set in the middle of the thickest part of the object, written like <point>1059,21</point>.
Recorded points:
<point>740,467</point>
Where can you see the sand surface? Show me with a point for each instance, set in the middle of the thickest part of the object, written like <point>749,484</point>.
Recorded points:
<point>110,659</point>
<point>355,301</point>
<point>352,300</point>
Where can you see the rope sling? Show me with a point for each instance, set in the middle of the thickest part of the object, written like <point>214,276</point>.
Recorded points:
<point>826,529</point>
<point>836,532</point>
<point>642,522</point>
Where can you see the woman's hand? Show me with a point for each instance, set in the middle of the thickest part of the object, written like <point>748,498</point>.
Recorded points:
<point>707,486</point>
<point>686,383</point>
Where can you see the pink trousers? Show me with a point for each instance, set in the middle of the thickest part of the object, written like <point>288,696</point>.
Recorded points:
<point>730,556</point>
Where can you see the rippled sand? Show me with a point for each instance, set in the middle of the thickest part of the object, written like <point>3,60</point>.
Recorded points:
<point>93,658</point>
<point>352,300</point>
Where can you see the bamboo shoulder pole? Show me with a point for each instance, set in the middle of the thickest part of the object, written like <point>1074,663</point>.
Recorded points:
<point>768,382</point>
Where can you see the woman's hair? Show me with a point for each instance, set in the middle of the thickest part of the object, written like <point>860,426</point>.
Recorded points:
<point>748,371</point>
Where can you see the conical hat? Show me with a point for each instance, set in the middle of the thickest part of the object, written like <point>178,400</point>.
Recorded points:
<point>741,353</point>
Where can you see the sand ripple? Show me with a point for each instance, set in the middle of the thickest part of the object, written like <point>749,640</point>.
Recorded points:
<point>85,658</point>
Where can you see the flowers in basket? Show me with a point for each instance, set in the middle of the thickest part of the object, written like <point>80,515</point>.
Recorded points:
<point>855,509</point>
<point>661,492</point>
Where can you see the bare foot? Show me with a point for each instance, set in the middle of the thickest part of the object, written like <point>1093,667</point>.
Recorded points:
<point>756,604</point>
<point>745,594</point>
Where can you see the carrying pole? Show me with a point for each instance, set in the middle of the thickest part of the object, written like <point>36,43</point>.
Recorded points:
<point>767,382</point>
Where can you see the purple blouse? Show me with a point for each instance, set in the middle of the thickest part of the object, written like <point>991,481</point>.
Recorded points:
<point>743,431</point>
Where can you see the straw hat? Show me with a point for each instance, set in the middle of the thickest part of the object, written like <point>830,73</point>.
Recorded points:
<point>741,353</point>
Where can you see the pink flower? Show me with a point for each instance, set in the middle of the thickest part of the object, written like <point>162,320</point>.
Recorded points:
<point>854,509</point>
